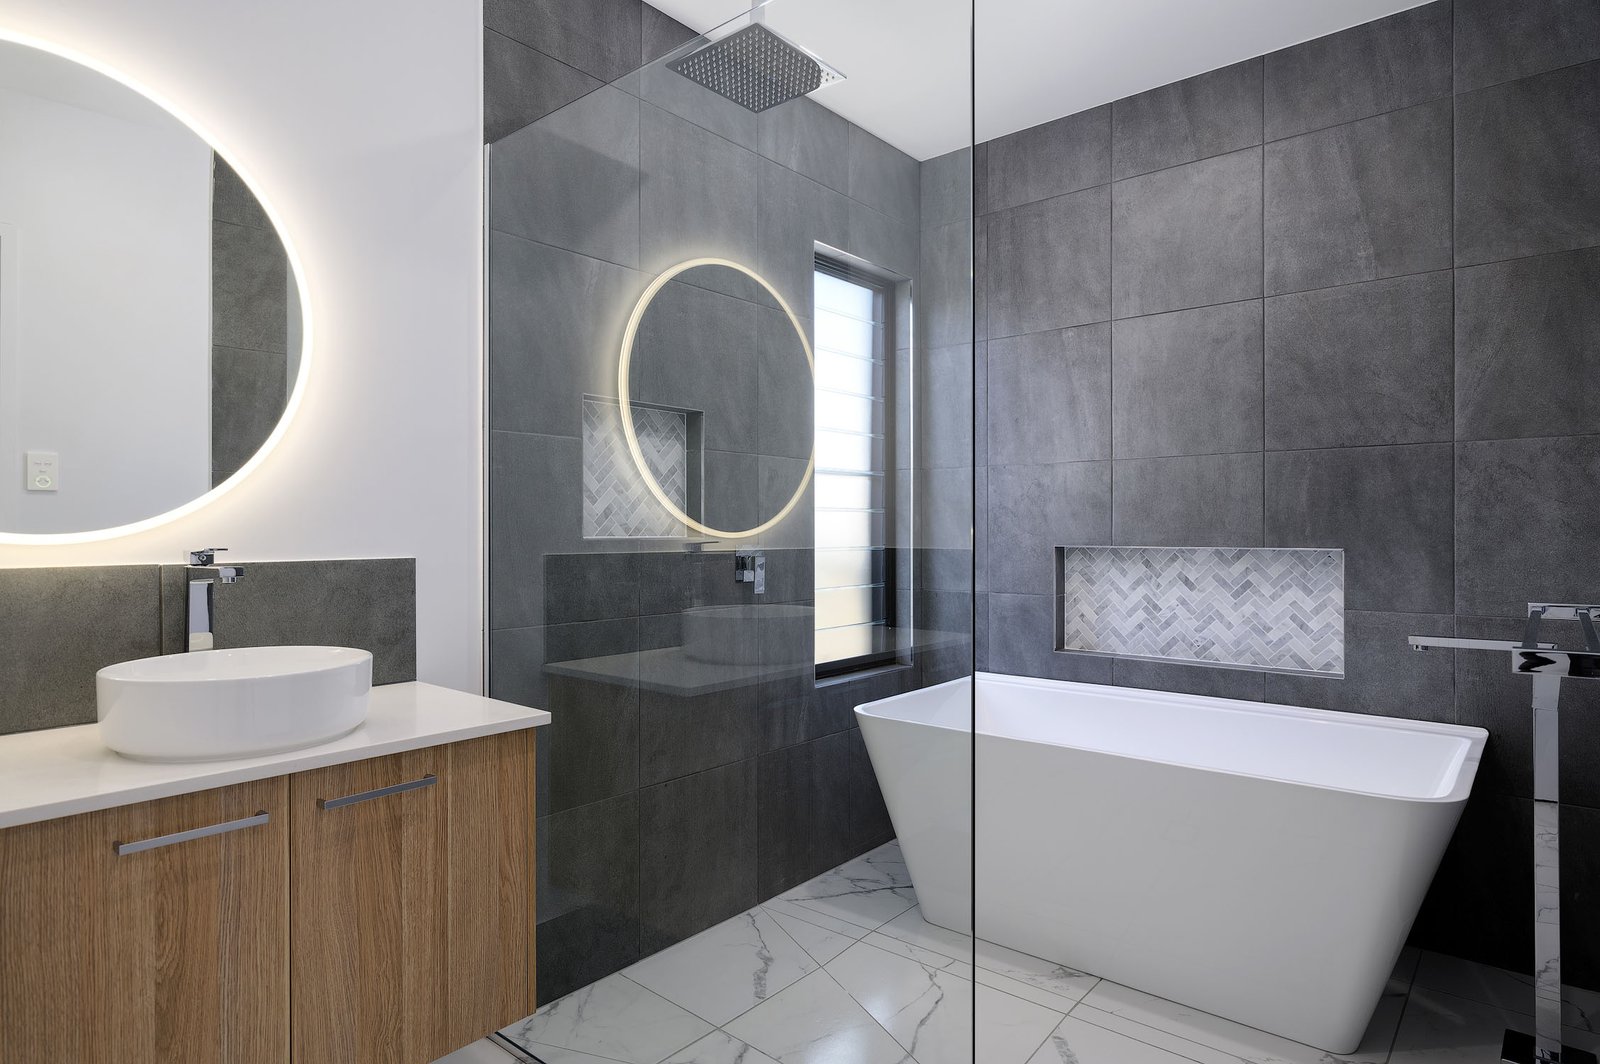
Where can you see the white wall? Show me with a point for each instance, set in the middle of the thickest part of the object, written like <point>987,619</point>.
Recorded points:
<point>360,121</point>
<point>110,283</point>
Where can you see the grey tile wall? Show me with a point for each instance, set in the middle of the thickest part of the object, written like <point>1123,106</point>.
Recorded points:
<point>1417,392</point>
<point>58,627</point>
<point>670,811</point>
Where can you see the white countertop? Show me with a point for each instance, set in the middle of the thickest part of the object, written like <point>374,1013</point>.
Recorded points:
<point>62,771</point>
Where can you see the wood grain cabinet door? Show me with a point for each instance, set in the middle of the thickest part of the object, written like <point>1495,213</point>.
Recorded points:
<point>155,932</point>
<point>411,892</point>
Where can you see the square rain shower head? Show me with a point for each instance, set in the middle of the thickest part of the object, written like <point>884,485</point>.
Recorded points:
<point>755,68</point>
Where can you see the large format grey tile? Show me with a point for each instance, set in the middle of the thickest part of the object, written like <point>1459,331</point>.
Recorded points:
<point>1051,396</point>
<point>1379,66</point>
<point>697,850</point>
<point>555,329</point>
<point>806,137</point>
<point>521,85</point>
<point>945,296</point>
<point>696,349</point>
<point>883,240</point>
<point>370,604</point>
<point>588,897</point>
<point>1187,236</point>
<point>572,178</point>
<point>1210,500</point>
<point>1525,518</point>
<point>697,194</point>
<point>946,412</point>
<point>694,103</point>
<point>1188,382</point>
<point>1497,40</point>
<point>599,37</point>
<point>680,735</point>
<point>1526,155</point>
<point>1047,160</point>
<point>882,176</point>
<point>249,288</point>
<point>785,397</point>
<point>248,392</point>
<point>794,215</point>
<point>847,808</point>
<point>783,816</point>
<point>527,519</point>
<point>660,34</point>
<point>1209,114</point>
<point>1388,508</point>
<point>1382,674</point>
<point>1363,200</point>
<point>1022,635</point>
<point>947,189</point>
<point>1526,336</point>
<point>1047,265</point>
<point>232,200</point>
<point>1035,508</point>
<point>1360,364</point>
<point>58,627</point>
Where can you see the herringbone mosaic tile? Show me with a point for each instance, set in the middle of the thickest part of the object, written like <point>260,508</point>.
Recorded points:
<point>1265,608</point>
<point>616,503</point>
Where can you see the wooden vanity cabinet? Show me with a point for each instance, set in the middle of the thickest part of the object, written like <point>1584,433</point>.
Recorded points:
<point>122,939</point>
<point>412,891</point>
<point>379,911</point>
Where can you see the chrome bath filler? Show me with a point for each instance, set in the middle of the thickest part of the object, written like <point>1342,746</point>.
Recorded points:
<point>1547,665</point>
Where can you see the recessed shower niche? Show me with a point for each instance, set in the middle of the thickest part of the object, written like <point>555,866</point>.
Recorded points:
<point>711,431</point>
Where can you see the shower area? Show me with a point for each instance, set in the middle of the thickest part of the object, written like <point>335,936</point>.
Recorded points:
<point>731,482</point>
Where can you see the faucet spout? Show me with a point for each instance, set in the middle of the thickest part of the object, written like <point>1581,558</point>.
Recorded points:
<point>200,602</point>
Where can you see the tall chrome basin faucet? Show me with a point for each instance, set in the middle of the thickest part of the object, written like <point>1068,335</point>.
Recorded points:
<point>203,576</point>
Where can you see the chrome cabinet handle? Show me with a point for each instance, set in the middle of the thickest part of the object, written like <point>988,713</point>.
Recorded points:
<point>382,792</point>
<point>125,848</point>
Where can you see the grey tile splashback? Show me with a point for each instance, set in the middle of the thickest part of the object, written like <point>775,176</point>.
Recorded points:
<point>59,626</point>
<point>1254,608</point>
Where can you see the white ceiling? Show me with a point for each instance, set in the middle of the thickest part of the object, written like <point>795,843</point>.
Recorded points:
<point>907,61</point>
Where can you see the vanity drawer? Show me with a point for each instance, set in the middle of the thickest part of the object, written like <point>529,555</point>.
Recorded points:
<point>150,932</point>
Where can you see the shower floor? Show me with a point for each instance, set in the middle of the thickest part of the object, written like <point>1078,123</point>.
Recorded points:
<point>844,970</point>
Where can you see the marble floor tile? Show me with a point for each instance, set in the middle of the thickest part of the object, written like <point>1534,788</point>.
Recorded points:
<point>1078,1042</point>
<point>816,1022</point>
<point>925,957</point>
<point>929,1010</point>
<point>910,927</point>
<point>1245,1043</point>
<point>480,1052</point>
<point>1440,1028</point>
<point>1152,1036</point>
<point>615,1018</point>
<point>727,969</point>
<point>868,891</point>
<point>1580,1009</point>
<point>720,1047</point>
<point>556,1055</point>
<point>821,936</point>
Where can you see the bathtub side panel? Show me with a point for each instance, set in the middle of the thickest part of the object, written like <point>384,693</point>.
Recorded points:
<point>1279,906</point>
<point>925,774</point>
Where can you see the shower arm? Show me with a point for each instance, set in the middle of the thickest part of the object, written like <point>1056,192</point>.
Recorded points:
<point>1547,665</point>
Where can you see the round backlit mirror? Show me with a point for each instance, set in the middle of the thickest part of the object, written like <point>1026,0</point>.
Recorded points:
<point>715,388</point>
<point>151,327</point>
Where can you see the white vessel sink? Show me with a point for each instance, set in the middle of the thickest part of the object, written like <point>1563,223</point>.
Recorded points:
<point>215,704</point>
<point>776,636</point>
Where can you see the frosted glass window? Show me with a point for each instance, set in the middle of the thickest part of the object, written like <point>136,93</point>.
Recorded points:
<point>852,573</point>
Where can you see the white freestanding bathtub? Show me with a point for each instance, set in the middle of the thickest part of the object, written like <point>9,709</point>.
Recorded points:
<point>1263,863</point>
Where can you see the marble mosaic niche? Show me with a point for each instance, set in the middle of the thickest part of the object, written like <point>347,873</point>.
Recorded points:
<point>1271,609</point>
<point>616,502</point>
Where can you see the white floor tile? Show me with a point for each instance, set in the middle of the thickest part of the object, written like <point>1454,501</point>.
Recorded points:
<point>557,1055</point>
<point>1580,1009</point>
<point>720,1047</point>
<point>614,1018</point>
<point>480,1052</point>
<point>1077,1042</point>
<point>821,936</point>
<point>929,1009</point>
<point>910,927</point>
<point>816,1022</point>
<point>1246,1043</point>
<point>922,956</point>
<point>1441,1028</point>
<point>868,891</point>
<point>728,969</point>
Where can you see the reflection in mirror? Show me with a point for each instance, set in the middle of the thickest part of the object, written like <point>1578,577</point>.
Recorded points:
<point>719,386</point>
<point>150,323</point>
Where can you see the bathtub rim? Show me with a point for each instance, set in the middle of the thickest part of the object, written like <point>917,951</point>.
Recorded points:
<point>1468,758</point>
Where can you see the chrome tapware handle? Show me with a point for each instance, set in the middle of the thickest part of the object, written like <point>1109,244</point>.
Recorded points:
<point>382,792</point>
<point>123,849</point>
